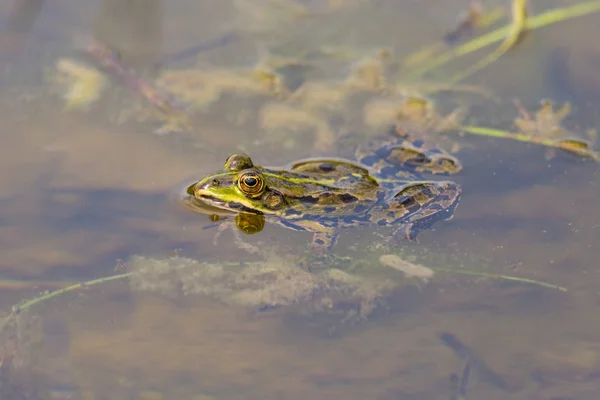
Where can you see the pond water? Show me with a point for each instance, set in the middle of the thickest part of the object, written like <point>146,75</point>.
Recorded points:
<point>199,312</point>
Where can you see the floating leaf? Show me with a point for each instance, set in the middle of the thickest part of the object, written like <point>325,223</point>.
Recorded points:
<point>578,146</point>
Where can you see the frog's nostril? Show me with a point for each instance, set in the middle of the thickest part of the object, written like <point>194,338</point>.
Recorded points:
<point>202,186</point>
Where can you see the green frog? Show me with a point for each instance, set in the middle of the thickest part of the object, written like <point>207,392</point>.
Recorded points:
<point>325,195</point>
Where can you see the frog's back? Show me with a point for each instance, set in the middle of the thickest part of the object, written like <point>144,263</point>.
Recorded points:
<point>398,159</point>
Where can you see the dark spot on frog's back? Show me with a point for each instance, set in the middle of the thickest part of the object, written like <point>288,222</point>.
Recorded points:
<point>329,209</point>
<point>347,198</point>
<point>310,199</point>
<point>410,204</point>
<point>329,198</point>
<point>327,167</point>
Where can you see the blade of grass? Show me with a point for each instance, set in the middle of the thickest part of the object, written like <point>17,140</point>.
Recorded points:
<point>48,295</point>
<point>504,277</point>
<point>566,144</point>
<point>473,21</point>
<point>534,22</point>
<point>519,19</point>
<point>17,309</point>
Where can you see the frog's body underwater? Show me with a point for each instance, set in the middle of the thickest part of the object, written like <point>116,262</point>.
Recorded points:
<point>327,194</point>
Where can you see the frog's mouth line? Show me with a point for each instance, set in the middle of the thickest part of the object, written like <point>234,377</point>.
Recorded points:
<point>226,205</point>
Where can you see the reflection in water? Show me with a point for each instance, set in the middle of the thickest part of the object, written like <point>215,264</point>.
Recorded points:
<point>572,75</point>
<point>461,382</point>
<point>250,223</point>
<point>475,362</point>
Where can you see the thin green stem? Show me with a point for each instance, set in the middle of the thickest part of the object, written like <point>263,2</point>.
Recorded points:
<point>537,21</point>
<point>504,277</point>
<point>46,296</point>
<point>579,148</point>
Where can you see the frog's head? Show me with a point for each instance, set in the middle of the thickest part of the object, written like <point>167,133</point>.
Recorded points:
<point>239,187</point>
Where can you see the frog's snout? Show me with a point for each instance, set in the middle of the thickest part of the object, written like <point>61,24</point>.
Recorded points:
<point>204,186</point>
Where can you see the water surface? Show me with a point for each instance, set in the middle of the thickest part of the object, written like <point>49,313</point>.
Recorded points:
<point>82,194</point>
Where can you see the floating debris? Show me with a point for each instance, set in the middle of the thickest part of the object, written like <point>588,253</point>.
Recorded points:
<point>176,117</point>
<point>409,269</point>
<point>202,87</point>
<point>547,121</point>
<point>280,117</point>
<point>369,73</point>
<point>547,125</point>
<point>415,118</point>
<point>84,83</point>
<point>419,117</point>
<point>274,282</point>
<point>318,96</point>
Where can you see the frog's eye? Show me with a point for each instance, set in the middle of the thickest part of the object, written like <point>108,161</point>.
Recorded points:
<point>251,184</point>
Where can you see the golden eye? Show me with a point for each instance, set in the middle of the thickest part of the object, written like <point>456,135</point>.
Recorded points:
<point>251,184</point>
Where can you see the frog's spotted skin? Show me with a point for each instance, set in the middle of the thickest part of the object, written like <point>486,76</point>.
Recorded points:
<point>328,194</point>
<point>405,159</point>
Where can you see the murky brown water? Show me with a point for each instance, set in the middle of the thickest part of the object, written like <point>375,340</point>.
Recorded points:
<point>79,193</point>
